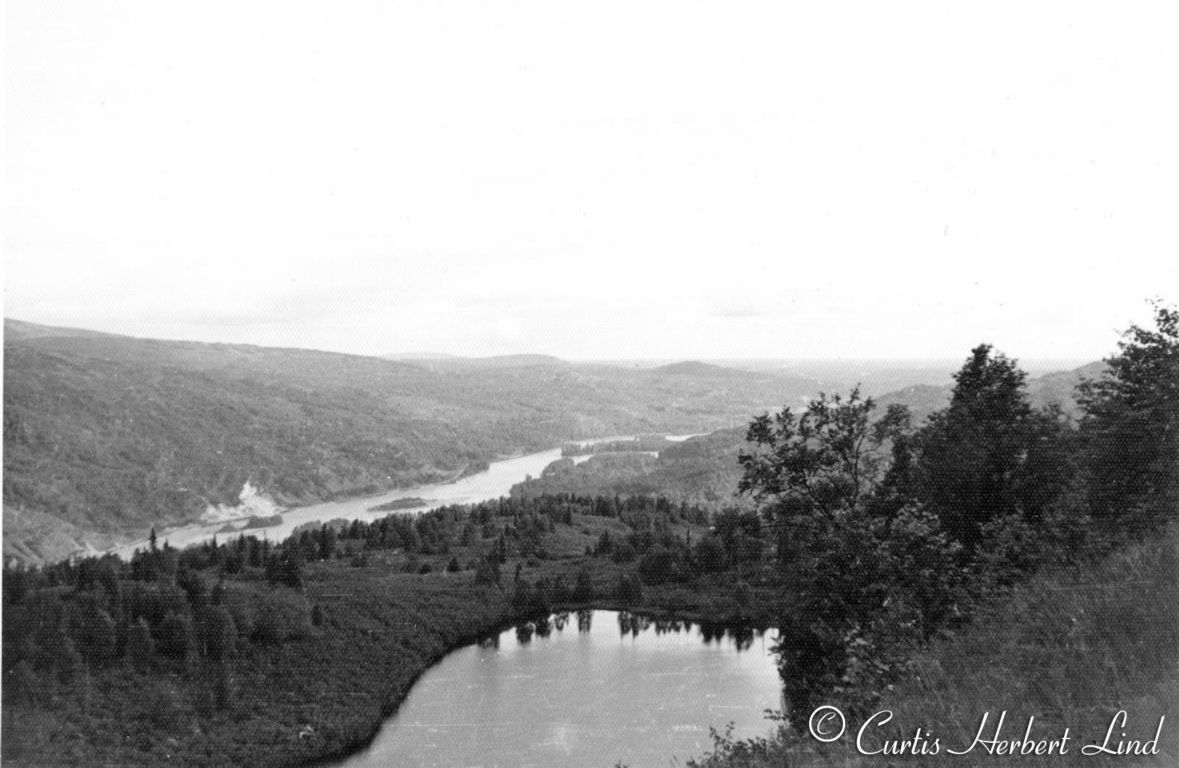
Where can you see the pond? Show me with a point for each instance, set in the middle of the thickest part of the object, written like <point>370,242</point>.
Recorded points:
<point>591,688</point>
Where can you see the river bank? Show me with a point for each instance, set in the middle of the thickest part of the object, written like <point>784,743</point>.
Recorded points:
<point>489,483</point>
<point>466,487</point>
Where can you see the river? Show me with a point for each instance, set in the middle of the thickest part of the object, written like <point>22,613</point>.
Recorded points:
<point>596,688</point>
<point>495,481</point>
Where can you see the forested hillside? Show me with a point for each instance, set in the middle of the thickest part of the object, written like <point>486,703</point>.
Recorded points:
<point>107,435</point>
<point>703,470</point>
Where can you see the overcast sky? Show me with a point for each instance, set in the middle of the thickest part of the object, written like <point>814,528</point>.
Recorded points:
<point>670,180</point>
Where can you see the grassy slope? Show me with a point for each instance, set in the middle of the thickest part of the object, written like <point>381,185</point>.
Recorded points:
<point>1070,647</point>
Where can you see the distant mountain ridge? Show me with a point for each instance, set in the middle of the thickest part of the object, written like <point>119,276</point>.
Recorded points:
<point>412,356</point>
<point>21,330</point>
<point>494,361</point>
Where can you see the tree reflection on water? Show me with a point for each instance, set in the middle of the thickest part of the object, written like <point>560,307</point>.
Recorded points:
<point>740,635</point>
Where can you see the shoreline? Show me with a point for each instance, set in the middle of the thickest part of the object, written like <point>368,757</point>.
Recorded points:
<point>388,709</point>
<point>126,549</point>
<point>194,528</point>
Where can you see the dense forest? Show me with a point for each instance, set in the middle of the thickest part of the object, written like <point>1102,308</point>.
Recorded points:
<point>872,542</point>
<point>637,444</point>
<point>702,470</point>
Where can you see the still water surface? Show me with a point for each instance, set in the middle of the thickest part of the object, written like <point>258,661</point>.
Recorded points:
<point>584,689</point>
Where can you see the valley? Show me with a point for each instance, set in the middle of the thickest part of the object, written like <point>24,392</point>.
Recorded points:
<point>107,436</point>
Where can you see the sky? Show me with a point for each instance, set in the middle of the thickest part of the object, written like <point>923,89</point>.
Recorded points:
<point>594,180</point>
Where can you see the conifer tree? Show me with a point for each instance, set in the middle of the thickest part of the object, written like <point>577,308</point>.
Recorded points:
<point>1131,427</point>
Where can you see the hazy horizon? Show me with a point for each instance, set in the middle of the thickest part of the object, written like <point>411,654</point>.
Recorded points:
<point>1037,365</point>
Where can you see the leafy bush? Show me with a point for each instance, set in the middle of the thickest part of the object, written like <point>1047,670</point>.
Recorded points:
<point>661,565</point>
<point>280,620</point>
<point>623,553</point>
<point>140,646</point>
<point>630,589</point>
<point>221,634</point>
<point>176,637</point>
<point>583,587</point>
